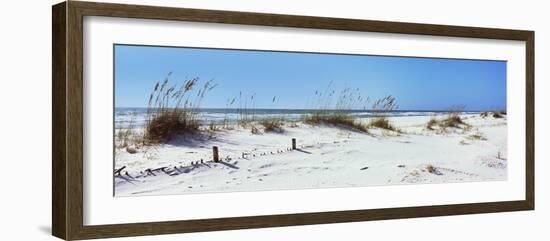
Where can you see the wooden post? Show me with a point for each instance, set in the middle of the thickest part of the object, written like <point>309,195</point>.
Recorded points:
<point>293,143</point>
<point>215,153</point>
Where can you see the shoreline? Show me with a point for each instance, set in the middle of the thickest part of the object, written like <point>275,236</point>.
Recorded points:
<point>125,115</point>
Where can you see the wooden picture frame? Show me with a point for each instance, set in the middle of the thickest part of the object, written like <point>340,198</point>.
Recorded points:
<point>67,150</point>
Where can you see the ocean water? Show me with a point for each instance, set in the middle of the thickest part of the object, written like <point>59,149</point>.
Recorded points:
<point>136,117</point>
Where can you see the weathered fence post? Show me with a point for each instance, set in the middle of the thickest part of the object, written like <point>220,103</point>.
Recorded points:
<point>293,143</point>
<point>215,153</point>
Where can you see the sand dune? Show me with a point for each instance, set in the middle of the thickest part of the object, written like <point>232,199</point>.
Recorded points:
<point>327,156</point>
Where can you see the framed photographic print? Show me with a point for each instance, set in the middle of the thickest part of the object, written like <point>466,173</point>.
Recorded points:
<point>171,120</point>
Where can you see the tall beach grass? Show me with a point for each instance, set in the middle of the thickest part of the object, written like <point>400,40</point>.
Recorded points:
<point>451,120</point>
<point>335,108</point>
<point>172,109</point>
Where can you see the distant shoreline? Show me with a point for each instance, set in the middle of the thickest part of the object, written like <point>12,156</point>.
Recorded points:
<point>138,116</point>
<point>313,110</point>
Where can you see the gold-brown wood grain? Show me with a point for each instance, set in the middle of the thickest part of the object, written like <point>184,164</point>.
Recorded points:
<point>67,123</point>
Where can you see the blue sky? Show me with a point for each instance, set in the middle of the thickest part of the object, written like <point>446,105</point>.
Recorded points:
<point>416,83</point>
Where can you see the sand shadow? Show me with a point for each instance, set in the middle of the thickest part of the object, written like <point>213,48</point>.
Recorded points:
<point>300,150</point>
<point>276,131</point>
<point>228,165</point>
<point>199,140</point>
<point>192,140</point>
<point>346,128</point>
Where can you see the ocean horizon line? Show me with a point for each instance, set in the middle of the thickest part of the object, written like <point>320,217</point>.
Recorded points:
<point>312,109</point>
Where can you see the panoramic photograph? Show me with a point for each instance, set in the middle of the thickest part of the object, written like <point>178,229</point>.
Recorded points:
<point>203,120</point>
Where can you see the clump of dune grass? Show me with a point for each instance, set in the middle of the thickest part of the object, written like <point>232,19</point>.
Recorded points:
<point>432,123</point>
<point>124,137</point>
<point>172,110</point>
<point>336,119</point>
<point>229,104</point>
<point>254,130</point>
<point>272,125</point>
<point>497,115</point>
<point>128,136</point>
<point>452,120</point>
<point>382,123</point>
<point>431,169</point>
<point>213,127</point>
<point>381,108</point>
<point>336,108</point>
<point>494,114</point>
<point>245,109</point>
<point>477,136</point>
<point>166,125</point>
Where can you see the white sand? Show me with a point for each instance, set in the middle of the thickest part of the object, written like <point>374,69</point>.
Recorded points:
<point>327,157</point>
